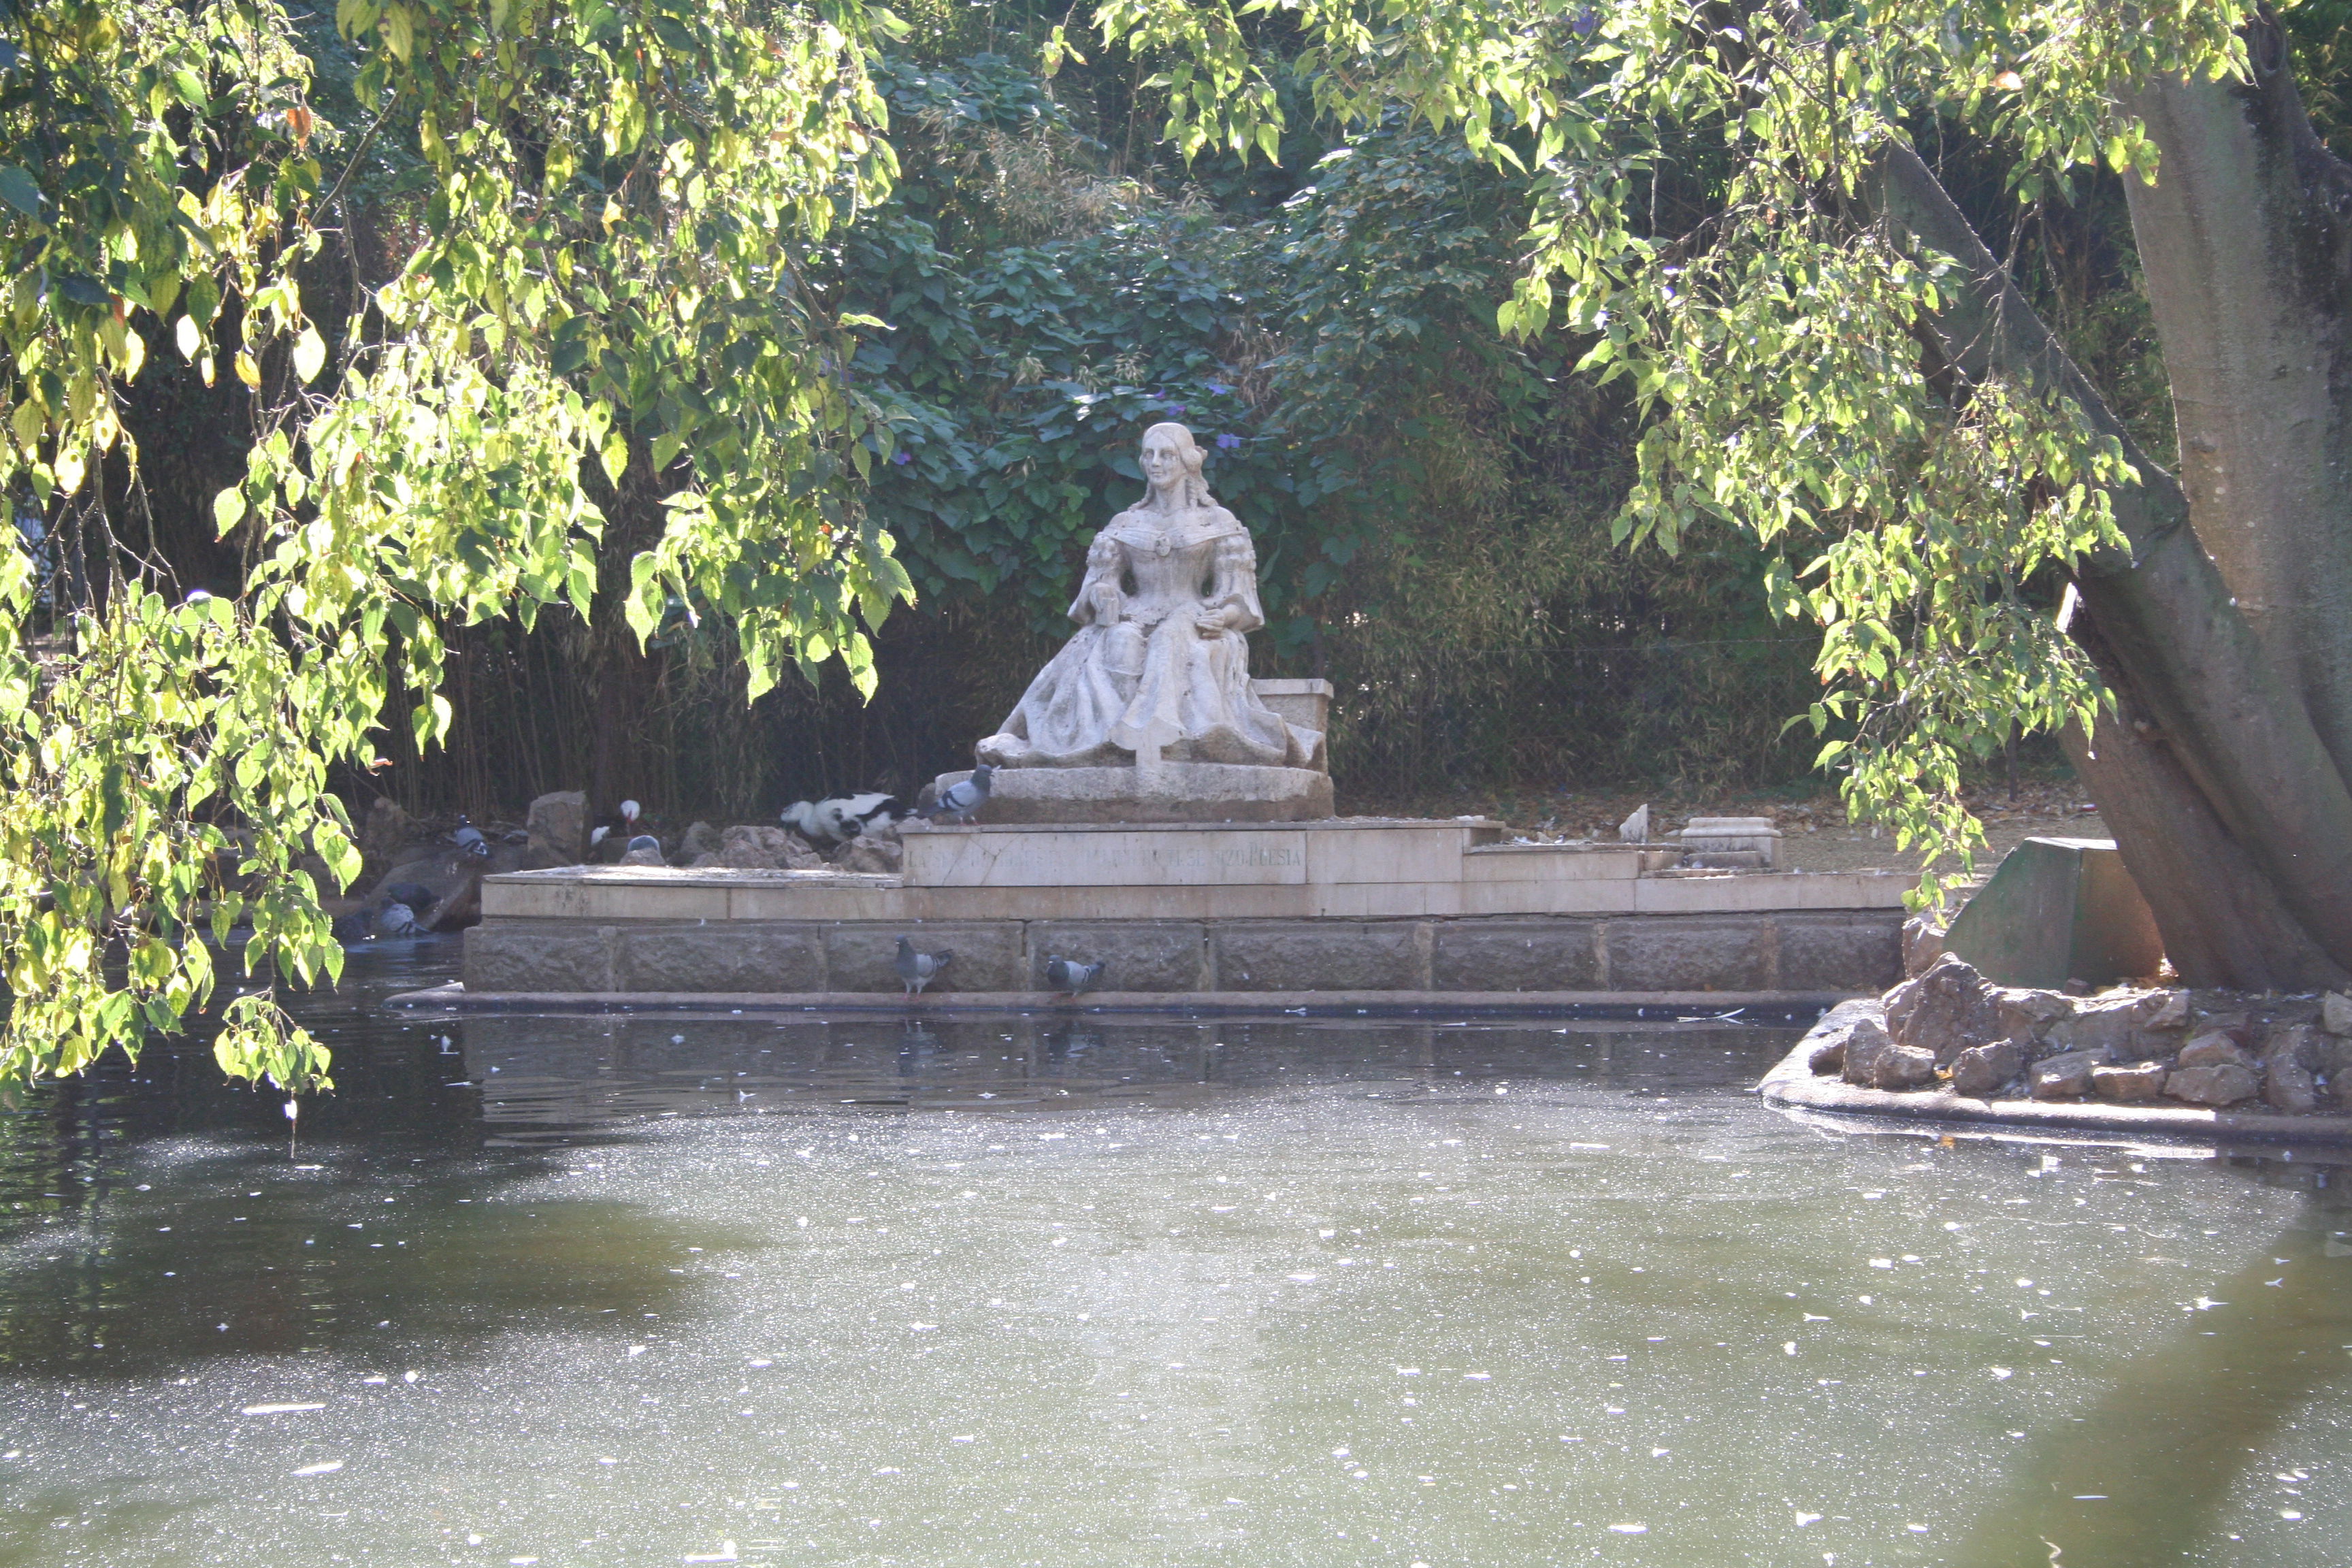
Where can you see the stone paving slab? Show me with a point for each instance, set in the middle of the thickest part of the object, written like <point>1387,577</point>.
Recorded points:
<point>1793,1082</point>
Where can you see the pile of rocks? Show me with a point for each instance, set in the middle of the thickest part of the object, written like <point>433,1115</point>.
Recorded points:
<point>1950,1029</point>
<point>759,847</point>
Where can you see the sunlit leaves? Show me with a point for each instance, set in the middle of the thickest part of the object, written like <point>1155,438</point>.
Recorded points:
<point>1776,348</point>
<point>165,798</point>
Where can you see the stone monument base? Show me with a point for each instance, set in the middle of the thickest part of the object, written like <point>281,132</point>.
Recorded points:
<point>1165,792</point>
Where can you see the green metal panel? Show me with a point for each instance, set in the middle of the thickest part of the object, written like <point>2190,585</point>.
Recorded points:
<point>2058,909</point>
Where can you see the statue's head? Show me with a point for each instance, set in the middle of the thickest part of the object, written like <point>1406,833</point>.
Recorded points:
<point>1170,456</point>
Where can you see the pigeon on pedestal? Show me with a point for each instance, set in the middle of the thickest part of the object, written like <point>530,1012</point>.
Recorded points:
<point>918,970</point>
<point>962,799</point>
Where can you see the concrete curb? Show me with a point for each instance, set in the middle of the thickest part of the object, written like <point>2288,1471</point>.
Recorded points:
<point>1771,1008</point>
<point>1792,1083</point>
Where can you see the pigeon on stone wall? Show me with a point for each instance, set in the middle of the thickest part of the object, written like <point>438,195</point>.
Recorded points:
<point>469,840</point>
<point>919,969</point>
<point>962,799</point>
<point>1063,975</point>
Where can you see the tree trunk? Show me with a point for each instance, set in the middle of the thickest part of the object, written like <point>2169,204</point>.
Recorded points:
<point>2244,809</point>
<point>2247,252</point>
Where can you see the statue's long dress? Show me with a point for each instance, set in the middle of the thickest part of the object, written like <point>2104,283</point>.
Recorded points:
<point>1148,672</point>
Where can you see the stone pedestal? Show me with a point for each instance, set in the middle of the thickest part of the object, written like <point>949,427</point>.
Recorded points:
<point>1162,791</point>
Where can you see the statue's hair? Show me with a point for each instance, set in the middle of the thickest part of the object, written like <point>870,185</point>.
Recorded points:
<point>1196,488</point>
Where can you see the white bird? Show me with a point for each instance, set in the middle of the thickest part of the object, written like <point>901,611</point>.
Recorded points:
<point>837,819</point>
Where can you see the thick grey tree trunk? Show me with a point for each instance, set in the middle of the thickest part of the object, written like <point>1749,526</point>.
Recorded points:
<point>2224,775</point>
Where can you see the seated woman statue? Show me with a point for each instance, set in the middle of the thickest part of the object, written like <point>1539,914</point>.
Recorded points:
<point>1161,659</point>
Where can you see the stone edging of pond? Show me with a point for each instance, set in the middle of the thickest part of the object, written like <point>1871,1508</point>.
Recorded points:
<point>1793,1082</point>
<point>1778,1009</point>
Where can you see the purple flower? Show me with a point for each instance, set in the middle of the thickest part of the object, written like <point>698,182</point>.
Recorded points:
<point>1219,388</point>
<point>1176,409</point>
<point>902,458</point>
<point>1586,22</point>
<point>1227,441</point>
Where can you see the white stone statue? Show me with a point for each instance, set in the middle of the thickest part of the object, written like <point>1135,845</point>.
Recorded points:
<point>1158,668</point>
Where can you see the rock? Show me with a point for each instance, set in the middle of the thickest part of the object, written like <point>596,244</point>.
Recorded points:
<point>1984,1071</point>
<point>2336,1013</point>
<point>2139,1080</point>
<point>2217,1083</point>
<point>387,832</point>
<point>2028,1014</point>
<point>1944,1011</point>
<point>455,882</point>
<point>2302,1045</point>
<point>2290,1088</point>
<point>1864,1043</point>
<point>1829,1036</point>
<point>701,838</point>
<point>2293,1055</point>
<point>558,825</point>
<point>760,848</point>
<point>2066,1076</point>
<point>2171,1013</point>
<point>2235,1025</point>
<point>2103,1024</point>
<point>2215,1050</point>
<point>642,858</point>
<point>1923,944</point>
<point>1904,1066</point>
<point>871,853</point>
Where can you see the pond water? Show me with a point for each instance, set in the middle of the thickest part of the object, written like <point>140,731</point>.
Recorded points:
<point>637,1289</point>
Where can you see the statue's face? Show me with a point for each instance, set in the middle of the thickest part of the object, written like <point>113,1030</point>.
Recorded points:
<point>1163,460</point>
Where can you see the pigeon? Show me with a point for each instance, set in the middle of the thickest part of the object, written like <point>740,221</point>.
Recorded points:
<point>919,969</point>
<point>415,895</point>
<point>469,840</point>
<point>1070,978</point>
<point>961,800</point>
<point>396,919</point>
<point>644,841</point>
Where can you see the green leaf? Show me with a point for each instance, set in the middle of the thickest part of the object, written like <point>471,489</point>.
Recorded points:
<point>310,355</point>
<point>21,191</point>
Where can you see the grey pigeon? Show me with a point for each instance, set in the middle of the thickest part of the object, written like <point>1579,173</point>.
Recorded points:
<point>396,920</point>
<point>919,969</point>
<point>1070,978</point>
<point>961,800</point>
<point>469,840</point>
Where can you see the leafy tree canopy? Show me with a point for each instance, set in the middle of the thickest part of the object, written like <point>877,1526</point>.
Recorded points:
<point>1703,222</point>
<point>607,279</point>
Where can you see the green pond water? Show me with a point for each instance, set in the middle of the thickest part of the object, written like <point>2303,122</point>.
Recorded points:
<point>638,1290</point>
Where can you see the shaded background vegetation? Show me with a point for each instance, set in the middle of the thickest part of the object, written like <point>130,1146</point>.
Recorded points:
<point>1431,503</point>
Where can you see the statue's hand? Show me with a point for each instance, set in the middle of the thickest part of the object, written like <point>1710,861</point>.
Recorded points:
<point>1213,623</point>
<point>1104,600</point>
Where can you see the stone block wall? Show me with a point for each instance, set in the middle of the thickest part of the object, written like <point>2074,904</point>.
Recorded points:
<point>1806,953</point>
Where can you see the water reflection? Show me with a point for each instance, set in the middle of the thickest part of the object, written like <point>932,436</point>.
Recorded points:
<point>1077,1290</point>
<point>2160,1456</point>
